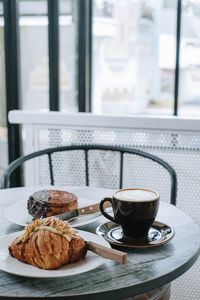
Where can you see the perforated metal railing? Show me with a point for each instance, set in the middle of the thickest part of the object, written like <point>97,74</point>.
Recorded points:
<point>180,149</point>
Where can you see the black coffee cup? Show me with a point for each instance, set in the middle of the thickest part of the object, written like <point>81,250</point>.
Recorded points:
<point>134,209</point>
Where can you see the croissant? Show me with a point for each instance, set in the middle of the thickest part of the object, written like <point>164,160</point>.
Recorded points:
<point>48,244</point>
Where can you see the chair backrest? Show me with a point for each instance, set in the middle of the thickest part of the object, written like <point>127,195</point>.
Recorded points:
<point>99,165</point>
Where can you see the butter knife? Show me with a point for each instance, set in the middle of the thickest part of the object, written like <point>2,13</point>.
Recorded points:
<point>90,209</point>
<point>108,253</point>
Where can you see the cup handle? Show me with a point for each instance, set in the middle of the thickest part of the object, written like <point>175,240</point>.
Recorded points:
<point>104,213</point>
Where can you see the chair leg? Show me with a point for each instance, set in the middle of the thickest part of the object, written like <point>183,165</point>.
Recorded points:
<point>162,293</point>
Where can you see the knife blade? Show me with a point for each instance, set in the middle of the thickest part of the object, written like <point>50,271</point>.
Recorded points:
<point>81,211</point>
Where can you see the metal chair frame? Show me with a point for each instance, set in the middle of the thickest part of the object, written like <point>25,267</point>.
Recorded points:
<point>5,182</point>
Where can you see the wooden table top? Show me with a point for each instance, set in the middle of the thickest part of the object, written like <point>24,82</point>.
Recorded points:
<point>146,268</point>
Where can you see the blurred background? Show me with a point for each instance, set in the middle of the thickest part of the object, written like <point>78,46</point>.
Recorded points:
<point>98,56</point>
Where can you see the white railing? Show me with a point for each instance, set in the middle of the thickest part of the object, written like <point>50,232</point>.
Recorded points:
<point>93,120</point>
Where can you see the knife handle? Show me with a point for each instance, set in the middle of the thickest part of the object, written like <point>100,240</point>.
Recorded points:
<point>109,253</point>
<point>92,208</point>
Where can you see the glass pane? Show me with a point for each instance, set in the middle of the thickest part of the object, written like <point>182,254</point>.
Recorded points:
<point>3,122</point>
<point>34,54</point>
<point>134,56</point>
<point>68,55</point>
<point>33,7</point>
<point>189,88</point>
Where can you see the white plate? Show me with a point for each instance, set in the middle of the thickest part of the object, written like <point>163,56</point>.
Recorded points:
<point>11,265</point>
<point>17,213</point>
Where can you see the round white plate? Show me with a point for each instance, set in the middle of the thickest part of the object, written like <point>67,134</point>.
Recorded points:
<point>17,213</point>
<point>11,265</point>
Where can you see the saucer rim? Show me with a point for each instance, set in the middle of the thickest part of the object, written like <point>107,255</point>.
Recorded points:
<point>126,245</point>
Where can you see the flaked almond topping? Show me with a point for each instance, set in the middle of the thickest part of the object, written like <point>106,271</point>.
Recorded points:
<point>51,224</point>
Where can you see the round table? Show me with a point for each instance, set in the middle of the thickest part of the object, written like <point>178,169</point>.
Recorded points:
<point>145,270</point>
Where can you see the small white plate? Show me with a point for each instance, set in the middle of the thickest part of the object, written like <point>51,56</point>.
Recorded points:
<point>17,213</point>
<point>11,265</point>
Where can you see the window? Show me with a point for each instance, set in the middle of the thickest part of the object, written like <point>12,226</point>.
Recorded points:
<point>189,87</point>
<point>133,56</point>
<point>34,69</point>
<point>34,54</point>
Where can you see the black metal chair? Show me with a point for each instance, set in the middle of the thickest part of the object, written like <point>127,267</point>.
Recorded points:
<point>88,159</point>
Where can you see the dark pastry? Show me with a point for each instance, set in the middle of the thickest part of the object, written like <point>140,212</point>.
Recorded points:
<point>46,203</point>
<point>48,244</point>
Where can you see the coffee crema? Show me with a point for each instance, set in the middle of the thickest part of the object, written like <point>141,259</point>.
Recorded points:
<point>136,195</point>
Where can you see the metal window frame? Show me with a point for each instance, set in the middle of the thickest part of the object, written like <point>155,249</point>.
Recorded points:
<point>84,55</point>
<point>53,43</point>
<point>177,67</point>
<point>11,36</point>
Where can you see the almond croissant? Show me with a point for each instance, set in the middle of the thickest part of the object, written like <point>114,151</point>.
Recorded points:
<point>48,244</point>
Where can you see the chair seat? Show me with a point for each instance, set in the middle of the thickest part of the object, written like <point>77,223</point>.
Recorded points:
<point>162,293</point>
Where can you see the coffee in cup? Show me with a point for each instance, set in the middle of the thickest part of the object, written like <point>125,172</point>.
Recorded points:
<point>134,209</point>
